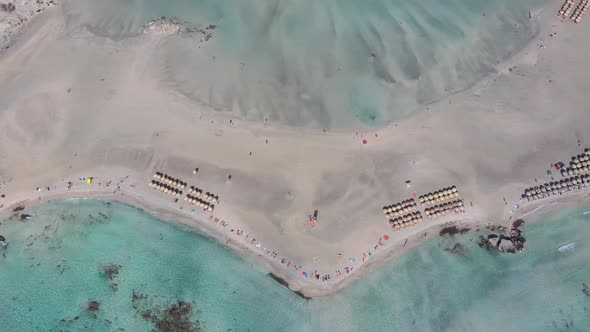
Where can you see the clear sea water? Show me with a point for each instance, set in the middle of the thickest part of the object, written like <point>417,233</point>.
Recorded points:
<point>334,63</point>
<point>54,266</point>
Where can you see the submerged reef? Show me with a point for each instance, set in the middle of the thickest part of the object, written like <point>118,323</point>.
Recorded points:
<point>175,316</point>
<point>457,249</point>
<point>111,272</point>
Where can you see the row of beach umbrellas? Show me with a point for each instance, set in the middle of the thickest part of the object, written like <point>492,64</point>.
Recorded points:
<point>405,221</point>
<point>456,206</point>
<point>200,203</point>
<point>439,196</point>
<point>580,158</point>
<point>578,165</point>
<point>169,180</point>
<point>208,196</point>
<point>573,171</point>
<point>566,8</point>
<point>580,11</point>
<point>556,187</point>
<point>165,188</point>
<point>400,208</point>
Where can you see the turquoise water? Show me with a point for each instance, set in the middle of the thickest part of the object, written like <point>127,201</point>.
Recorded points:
<point>55,264</point>
<point>332,63</point>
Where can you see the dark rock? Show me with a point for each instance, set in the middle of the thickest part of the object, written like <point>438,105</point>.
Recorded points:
<point>301,295</point>
<point>93,306</point>
<point>457,249</point>
<point>585,289</point>
<point>452,230</point>
<point>505,245</point>
<point>286,284</point>
<point>18,208</point>
<point>7,7</point>
<point>111,272</point>
<point>25,216</point>
<point>517,223</point>
<point>279,280</point>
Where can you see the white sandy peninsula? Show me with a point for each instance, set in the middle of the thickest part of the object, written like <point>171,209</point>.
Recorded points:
<point>80,106</point>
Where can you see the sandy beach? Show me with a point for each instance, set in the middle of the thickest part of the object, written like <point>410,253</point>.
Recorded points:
<point>104,110</point>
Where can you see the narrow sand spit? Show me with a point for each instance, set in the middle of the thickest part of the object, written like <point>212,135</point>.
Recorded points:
<point>101,110</point>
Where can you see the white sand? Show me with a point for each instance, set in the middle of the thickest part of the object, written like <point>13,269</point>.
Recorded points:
<point>119,119</point>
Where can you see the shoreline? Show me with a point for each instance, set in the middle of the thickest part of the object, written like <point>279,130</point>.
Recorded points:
<point>289,172</point>
<point>303,288</point>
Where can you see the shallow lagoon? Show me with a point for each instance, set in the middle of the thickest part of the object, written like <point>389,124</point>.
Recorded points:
<point>342,64</point>
<point>55,265</point>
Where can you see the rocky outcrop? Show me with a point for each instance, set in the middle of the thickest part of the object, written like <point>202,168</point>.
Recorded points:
<point>93,306</point>
<point>510,242</point>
